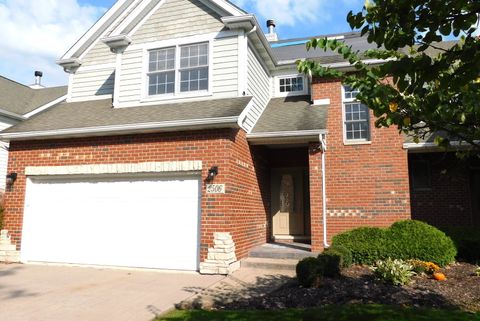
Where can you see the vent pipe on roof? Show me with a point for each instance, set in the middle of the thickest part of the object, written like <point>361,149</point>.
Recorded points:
<point>38,80</point>
<point>272,34</point>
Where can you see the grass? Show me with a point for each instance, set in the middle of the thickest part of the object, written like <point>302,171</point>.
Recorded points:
<point>330,313</point>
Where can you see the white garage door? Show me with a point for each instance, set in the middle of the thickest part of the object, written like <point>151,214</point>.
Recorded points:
<point>139,222</point>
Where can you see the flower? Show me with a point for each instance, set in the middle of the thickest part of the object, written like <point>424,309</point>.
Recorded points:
<point>393,107</point>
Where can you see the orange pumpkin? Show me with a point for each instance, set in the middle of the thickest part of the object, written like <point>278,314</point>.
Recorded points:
<point>439,276</point>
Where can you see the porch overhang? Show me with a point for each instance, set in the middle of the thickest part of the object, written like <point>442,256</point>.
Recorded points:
<point>285,137</point>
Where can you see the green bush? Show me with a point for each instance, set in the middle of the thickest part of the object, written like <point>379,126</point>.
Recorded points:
<point>367,244</point>
<point>403,240</point>
<point>418,240</point>
<point>345,255</point>
<point>307,271</point>
<point>329,264</point>
<point>396,272</point>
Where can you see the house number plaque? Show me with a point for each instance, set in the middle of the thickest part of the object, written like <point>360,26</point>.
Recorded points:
<point>216,189</point>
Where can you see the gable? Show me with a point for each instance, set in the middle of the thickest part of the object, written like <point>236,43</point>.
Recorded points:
<point>176,19</point>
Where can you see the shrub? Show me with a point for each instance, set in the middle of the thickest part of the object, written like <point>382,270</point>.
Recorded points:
<point>477,271</point>
<point>366,244</point>
<point>307,271</point>
<point>418,240</point>
<point>396,272</point>
<point>403,240</point>
<point>329,264</point>
<point>344,254</point>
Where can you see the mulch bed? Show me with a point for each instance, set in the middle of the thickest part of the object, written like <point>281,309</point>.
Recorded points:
<point>357,285</point>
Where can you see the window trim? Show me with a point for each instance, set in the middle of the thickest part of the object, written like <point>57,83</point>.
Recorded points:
<point>177,44</point>
<point>291,93</point>
<point>362,141</point>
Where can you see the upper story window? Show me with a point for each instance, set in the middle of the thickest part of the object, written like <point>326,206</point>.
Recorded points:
<point>290,85</point>
<point>356,117</point>
<point>179,69</point>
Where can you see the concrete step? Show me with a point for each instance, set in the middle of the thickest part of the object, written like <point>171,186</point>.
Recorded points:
<point>279,252</point>
<point>270,264</point>
<point>8,247</point>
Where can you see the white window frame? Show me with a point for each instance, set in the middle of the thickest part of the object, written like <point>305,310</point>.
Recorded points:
<point>291,93</point>
<point>346,141</point>
<point>177,43</point>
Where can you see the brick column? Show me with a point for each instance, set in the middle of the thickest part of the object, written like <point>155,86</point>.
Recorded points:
<point>316,201</point>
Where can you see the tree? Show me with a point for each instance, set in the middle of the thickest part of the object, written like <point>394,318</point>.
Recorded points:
<point>422,86</point>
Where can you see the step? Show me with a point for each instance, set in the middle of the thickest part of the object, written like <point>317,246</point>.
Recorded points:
<point>278,253</point>
<point>270,264</point>
<point>8,247</point>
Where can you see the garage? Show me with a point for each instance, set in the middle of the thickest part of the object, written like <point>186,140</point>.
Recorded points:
<point>122,221</point>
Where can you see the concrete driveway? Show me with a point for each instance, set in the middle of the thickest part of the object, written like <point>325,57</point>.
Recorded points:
<point>53,293</point>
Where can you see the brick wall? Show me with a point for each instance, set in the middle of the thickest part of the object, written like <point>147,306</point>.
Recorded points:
<point>366,184</point>
<point>240,211</point>
<point>448,202</point>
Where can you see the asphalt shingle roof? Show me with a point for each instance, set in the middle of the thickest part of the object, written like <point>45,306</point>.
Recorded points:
<point>91,114</point>
<point>20,99</point>
<point>291,114</point>
<point>293,49</point>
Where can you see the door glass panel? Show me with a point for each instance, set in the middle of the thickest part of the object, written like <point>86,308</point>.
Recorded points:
<point>287,194</point>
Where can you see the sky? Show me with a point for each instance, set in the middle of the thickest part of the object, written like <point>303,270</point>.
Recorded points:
<point>36,33</point>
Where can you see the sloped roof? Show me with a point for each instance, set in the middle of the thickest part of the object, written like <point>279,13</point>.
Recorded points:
<point>20,99</point>
<point>293,49</point>
<point>291,114</point>
<point>100,113</point>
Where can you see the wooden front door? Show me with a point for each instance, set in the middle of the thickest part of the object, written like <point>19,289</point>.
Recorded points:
<point>288,208</point>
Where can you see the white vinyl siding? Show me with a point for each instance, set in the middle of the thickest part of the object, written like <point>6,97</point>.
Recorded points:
<point>224,72</point>
<point>258,86</point>
<point>93,83</point>
<point>178,18</point>
<point>99,54</point>
<point>225,67</point>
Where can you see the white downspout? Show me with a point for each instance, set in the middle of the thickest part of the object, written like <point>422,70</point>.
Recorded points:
<point>323,143</point>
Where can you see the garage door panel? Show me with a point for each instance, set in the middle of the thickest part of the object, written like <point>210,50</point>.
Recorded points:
<point>150,223</point>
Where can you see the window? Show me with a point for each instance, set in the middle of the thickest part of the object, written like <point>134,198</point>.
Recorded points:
<point>291,84</point>
<point>179,69</point>
<point>161,72</point>
<point>356,117</point>
<point>420,175</point>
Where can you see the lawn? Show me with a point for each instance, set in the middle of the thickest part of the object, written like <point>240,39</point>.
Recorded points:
<point>330,313</point>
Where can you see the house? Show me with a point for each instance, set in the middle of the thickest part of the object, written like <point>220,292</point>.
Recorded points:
<point>188,137</point>
<point>18,103</point>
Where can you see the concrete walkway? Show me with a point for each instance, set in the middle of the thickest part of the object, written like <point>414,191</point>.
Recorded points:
<point>52,293</point>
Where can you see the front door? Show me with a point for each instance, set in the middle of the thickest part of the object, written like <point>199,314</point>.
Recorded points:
<point>288,208</point>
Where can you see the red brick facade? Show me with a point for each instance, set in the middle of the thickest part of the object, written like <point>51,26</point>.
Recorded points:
<point>454,187</point>
<point>367,184</point>
<point>241,211</point>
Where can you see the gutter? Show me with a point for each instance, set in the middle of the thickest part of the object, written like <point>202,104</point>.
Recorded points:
<point>323,144</point>
<point>123,129</point>
<point>414,147</point>
<point>286,134</point>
